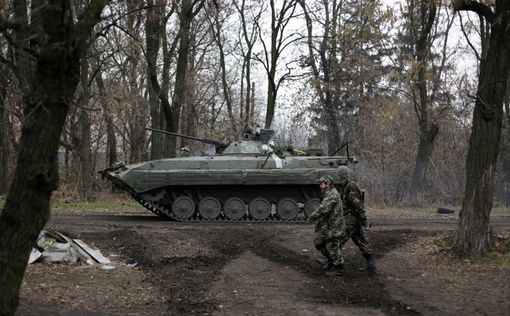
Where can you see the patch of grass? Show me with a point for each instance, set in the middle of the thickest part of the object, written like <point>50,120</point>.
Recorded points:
<point>497,259</point>
<point>495,210</point>
<point>500,211</point>
<point>500,252</point>
<point>96,205</point>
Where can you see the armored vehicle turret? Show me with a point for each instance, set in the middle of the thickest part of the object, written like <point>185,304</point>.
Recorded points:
<point>252,179</point>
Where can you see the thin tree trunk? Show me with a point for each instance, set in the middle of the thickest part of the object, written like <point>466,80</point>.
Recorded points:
<point>153,32</point>
<point>85,151</point>
<point>111,141</point>
<point>216,26</point>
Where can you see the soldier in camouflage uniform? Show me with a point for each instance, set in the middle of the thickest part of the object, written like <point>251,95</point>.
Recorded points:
<point>354,215</point>
<point>329,224</point>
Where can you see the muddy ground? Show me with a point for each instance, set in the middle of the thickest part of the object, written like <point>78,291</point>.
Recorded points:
<point>261,269</point>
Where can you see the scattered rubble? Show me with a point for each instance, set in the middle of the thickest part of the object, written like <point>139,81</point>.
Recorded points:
<point>53,247</point>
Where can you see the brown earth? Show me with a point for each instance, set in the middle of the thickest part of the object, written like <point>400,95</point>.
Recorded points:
<point>260,269</point>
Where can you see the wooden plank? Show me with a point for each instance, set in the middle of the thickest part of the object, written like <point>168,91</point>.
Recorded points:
<point>80,249</point>
<point>96,254</point>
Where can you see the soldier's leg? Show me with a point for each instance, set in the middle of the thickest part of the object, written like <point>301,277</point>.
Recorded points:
<point>335,251</point>
<point>334,247</point>
<point>360,240</point>
<point>320,245</point>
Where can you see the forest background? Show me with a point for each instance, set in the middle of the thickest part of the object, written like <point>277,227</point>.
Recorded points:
<point>396,79</point>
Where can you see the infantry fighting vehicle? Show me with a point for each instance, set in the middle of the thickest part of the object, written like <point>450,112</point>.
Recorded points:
<point>253,179</point>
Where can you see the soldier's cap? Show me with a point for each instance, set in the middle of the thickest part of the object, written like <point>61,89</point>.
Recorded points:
<point>326,179</point>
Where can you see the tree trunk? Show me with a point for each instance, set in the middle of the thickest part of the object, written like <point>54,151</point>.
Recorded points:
<point>27,206</point>
<point>217,33</point>
<point>428,131</point>
<point>271,80</point>
<point>4,145</point>
<point>111,141</point>
<point>423,156</point>
<point>153,33</point>
<point>473,232</point>
<point>505,163</point>
<point>85,151</point>
<point>181,74</point>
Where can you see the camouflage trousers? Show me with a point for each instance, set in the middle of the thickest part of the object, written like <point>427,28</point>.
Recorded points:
<point>332,250</point>
<point>357,234</point>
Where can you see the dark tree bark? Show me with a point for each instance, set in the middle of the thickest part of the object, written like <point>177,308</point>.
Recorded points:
<point>4,144</point>
<point>61,44</point>
<point>473,237</point>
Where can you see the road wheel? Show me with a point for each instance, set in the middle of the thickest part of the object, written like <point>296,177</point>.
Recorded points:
<point>234,208</point>
<point>287,209</point>
<point>183,207</point>
<point>259,208</point>
<point>311,205</point>
<point>209,207</point>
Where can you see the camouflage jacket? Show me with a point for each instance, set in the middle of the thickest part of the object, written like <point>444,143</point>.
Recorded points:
<point>328,217</point>
<point>354,208</point>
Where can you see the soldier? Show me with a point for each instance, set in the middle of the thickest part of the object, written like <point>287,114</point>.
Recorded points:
<point>354,215</point>
<point>329,223</point>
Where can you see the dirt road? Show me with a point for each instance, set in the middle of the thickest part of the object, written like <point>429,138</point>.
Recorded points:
<point>257,269</point>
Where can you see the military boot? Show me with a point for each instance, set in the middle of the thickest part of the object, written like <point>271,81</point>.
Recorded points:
<point>336,270</point>
<point>325,263</point>
<point>370,263</point>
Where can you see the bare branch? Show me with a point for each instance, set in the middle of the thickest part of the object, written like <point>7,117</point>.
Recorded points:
<point>467,39</point>
<point>475,6</point>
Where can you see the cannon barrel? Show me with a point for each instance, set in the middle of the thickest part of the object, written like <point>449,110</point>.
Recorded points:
<point>216,143</point>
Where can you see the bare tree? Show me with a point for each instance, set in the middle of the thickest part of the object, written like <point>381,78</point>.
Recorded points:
<point>325,66</point>
<point>155,34</point>
<point>473,235</point>
<point>216,20</point>
<point>422,32</point>
<point>188,10</point>
<point>344,56</point>
<point>59,42</point>
<point>249,34</point>
<point>280,40</point>
<point>111,141</point>
<point>84,133</point>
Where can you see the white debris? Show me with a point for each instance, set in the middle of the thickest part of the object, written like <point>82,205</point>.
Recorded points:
<point>54,247</point>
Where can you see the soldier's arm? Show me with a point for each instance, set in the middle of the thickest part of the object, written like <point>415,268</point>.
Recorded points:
<point>323,209</point>
<point>355,200</point>
<point>354,197</point>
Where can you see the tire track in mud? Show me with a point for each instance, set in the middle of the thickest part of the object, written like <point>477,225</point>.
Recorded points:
<point>187,278</point>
